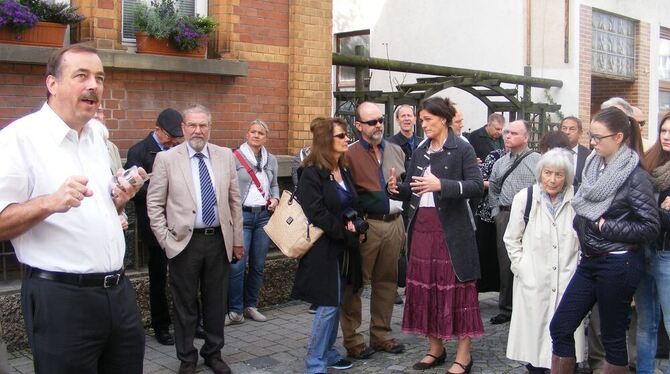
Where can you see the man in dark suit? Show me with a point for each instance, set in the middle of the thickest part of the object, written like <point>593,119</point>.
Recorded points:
<point>572,127</point>
<point>195,212</point>
<point>166,134</point>
<point>489,137</point>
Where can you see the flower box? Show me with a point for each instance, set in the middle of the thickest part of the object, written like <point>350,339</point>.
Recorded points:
<point>147,44</point>
<point>43,34</point>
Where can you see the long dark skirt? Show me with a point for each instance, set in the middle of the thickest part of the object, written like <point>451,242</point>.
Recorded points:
<point>437,304</point>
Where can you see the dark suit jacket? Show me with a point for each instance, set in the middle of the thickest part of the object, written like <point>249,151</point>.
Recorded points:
<point>142,154</point>
<point>582,154</point>
<point>479,140</point>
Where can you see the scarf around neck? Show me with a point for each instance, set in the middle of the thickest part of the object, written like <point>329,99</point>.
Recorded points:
<point>660,177</point>
<point>255,163</point>
<point>597,190</point>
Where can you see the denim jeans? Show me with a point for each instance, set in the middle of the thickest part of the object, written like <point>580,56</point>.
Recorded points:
<point>652,295</point>
<point>243,291</point>
<point>320,349</point>
<point>609,280</point>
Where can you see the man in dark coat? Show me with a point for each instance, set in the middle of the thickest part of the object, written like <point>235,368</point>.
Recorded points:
<point>572,127</point>
<point>166,134</point>
<point>405,138</point>
<point>489,137</point>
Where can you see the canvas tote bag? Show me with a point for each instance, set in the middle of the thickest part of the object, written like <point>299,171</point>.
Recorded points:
<point>289,228</point>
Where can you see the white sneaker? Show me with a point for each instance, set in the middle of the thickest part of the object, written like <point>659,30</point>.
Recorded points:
<point>233,318</point>
<point>253,313</point>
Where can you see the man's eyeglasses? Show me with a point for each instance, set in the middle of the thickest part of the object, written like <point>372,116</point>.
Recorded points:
<point>599,138</point>
<point>341,135</point>
<point>373,122</point>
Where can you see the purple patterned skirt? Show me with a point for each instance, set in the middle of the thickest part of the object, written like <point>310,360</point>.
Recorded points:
<point>436,303</point>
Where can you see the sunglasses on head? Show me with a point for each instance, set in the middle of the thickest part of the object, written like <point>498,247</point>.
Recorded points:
<point>373,122</point>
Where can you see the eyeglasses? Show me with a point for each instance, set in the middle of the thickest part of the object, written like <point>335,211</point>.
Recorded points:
<point>194,126</point>
<point>341,135</point>
<point>373,122</point>
<point>599,138</point>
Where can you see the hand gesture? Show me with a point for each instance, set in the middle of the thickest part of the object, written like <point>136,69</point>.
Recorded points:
<point>124,190</point>
<point>70,194</point>
<point>428,183</point>
<point>273,205</point>
<point>392,184</point>
<point>666,203</point>
<point>238,252</point>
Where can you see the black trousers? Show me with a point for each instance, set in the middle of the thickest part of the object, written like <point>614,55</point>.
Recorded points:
<point>83,330</point>
<point>488,256</point>
<point>506,276</point>
<point>160,313</point>
<point>202,265</point>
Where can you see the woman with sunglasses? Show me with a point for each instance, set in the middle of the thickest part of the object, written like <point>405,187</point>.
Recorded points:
<point>653,293</point>
<point>325,191</point>
<point>441,295</point>
<point>616,213</point>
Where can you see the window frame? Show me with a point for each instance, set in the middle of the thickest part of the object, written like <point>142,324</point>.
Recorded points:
<point>200,7</point>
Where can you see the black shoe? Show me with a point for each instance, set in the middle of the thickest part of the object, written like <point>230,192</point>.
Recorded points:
<point>500,319</point>
<point>187,367</point>
<point>164,337</point>
<point>342,364</point>
<point>200,332</point>
<point>398,300</point>
<point>217,365</point>
<point>312,309</point>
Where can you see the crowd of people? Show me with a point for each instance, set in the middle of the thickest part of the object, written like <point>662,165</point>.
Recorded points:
<point>565,235</point>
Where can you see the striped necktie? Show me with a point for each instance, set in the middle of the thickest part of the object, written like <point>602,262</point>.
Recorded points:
<point>207,197</point>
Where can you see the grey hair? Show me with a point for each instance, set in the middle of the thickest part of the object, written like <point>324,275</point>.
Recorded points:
<point>262,124</point>
<point>197,108</point>
<point>558,158</point>
<point>618,102</point>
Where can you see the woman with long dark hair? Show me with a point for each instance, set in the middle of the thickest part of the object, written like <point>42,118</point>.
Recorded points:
<point>441,295</point>
<point>653,293</point>
<point>615,215</point>
<point>325,191</point>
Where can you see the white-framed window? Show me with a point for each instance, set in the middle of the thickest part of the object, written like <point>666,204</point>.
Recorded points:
<point>128,29</point>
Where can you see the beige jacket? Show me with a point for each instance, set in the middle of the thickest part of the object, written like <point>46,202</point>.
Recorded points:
<point>544,256</point>
<point>171,201</point>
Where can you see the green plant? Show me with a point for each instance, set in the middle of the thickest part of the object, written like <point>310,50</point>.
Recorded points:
<point>55,12</point>
<point>161,20</point>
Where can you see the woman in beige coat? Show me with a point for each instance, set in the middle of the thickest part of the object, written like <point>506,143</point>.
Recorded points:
<point>543,249</point>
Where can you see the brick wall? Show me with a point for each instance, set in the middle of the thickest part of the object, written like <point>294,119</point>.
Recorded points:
<point>287,46</point>
<point>585,60</point>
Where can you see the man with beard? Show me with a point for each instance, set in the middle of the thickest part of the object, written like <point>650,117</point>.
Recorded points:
<point>194,207</point>
<point>166,134</point>
<point>59,206</point>
<point>371,159</point>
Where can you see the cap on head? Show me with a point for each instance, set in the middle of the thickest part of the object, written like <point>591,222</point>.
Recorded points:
<point>170,120</point>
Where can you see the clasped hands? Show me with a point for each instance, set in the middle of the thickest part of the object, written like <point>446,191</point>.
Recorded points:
<point>419,185</point>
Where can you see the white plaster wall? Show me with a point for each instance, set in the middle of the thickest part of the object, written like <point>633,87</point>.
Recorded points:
<point>489,35</point>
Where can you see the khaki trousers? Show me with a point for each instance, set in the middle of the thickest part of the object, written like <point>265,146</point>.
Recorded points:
<point>379,262</point>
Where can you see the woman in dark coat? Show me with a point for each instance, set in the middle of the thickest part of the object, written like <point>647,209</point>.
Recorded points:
<point>325,191</point>
<point>441,294</point>
<point>616,215</point>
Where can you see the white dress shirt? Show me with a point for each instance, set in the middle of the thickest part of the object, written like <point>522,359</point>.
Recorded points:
<point>195,173</point>
<point>575,151</point>
<point>39,152</point>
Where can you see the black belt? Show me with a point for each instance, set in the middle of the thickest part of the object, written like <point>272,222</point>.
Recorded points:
<point>105,280</point>
<point>254,209</point>
<point>383,217</point>
<point>505,208</point>
<point>208,231</point>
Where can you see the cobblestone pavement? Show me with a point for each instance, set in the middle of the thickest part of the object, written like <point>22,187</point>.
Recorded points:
<point>279,346</point>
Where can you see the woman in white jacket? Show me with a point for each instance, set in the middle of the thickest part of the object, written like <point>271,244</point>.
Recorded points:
<point>543,249</point>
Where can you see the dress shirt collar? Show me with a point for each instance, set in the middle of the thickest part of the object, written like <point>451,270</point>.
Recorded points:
<point>575,149</point>
<point>158,143</point>
<point>192,152</point>
<point>367,145</point>
<point>58,130</point>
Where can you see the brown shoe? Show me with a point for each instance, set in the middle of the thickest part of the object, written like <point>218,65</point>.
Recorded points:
<point>562,365</point>
<point>217,365</point>
<point>360,352</point>
<point>187,368</point>
<point>390,346</point>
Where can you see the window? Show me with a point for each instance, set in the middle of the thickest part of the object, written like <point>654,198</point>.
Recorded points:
<point>185,7</point>
<point>664,71</point>
<point>613,45</point>
<point>345,43</point>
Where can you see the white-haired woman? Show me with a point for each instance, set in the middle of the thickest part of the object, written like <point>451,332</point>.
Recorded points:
<point>543,249</point>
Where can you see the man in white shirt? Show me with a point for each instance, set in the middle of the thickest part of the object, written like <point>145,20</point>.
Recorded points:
<point>572,127</point>
<point>59,206</point>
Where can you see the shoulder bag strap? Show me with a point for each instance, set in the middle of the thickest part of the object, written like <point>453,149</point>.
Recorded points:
<point>246,166</point>
<point>529,204</point>
<point>516,163</point>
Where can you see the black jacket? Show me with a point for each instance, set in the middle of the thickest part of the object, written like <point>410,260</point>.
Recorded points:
<point>461,179</point>
<point>317,275</point>
<point>143,154</point>
<point>630,221</point>
<point>479,139</point>
<point>582,154</point>
<point>663,241</point>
